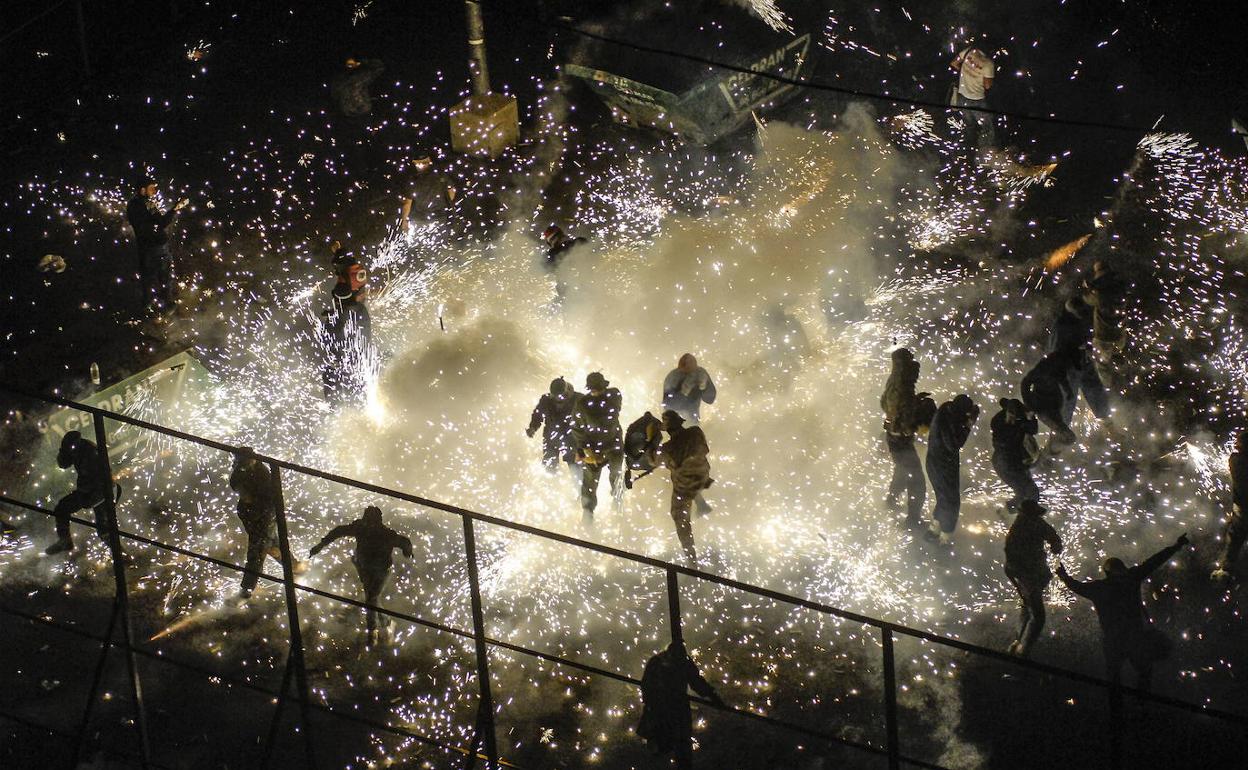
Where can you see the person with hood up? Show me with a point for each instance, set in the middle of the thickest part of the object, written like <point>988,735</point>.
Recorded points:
<point>1236,530</point>
<point>950,429</point>
<point>1014,450</point>
<point>554,411</point>
<point>666,716</point>
<point>93,489</point>
<point>1047,392</point>
<point>685,454</point>
<point>1028,571</point>
<point>598,439</point>
<point>906,413</point>
<point>642,438</point>
<point>349,88</point>
<point>348,338</point>
<point>257,510</point>
<point>1127,634</point>
<point>373,558</point>
<point>686,388</point>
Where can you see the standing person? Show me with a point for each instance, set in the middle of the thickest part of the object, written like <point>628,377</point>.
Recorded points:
<point>1028,571</point>
<point>373,558</point>
<point>257,510</point>
<point>1014,450</point>
<point>92,490</point>
<point>151,240</point>
<point>428,195</point>
<point>1127,634</point>
<point>901,423</point>
<point>349,88</point>
<point>1071,337</point>
<point>666,717</point>
<point>348,345</point>
<point>1236,530</point>
<point>976,72</point>
<point>687,387</point>
<point>599,440</point>
<point>950,429</point>
<point>685,454</point>
<point>1047,392</point>
<point>554,411</point>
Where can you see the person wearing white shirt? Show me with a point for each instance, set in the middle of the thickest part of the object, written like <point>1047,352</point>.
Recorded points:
<point>975,76</point>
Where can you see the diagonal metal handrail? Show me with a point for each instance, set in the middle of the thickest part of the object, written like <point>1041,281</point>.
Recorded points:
<point>658,564</point>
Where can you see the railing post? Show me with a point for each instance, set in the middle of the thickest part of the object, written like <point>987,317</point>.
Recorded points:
<point>121,600</point>
<point>295,654</point>
<point>80,740</point>
<point>673,604</point>
<point>890,699</point>
<point>1115,726</point>
<point>485,709</point>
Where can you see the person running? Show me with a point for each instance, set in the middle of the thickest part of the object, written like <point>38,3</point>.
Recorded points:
<point>1028,571</point>
<point>686,388</point>
<point>685,454</point>
<point>599,440</point>
<point>373,558</point>
<point>1127,634</point>
<point>553,414</point>
<point>92,490</point>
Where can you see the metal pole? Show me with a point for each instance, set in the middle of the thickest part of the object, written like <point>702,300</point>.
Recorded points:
<point>890,700</point>
<point>292,615</point>
<point>121,594</point>
<point>485,710</point>
<point>673,604</point>
<point>82,38</point>
<point>1115,727</point>
<point>478,69</point>
<point>76,758</point>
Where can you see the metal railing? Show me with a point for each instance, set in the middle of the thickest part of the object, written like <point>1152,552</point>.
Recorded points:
<point>484,746</point>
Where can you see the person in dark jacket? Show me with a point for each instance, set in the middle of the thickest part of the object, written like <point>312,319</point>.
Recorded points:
<point>93,489</point>
<point>598,439</point>
<point>373,558</point>
<point>558,245</point>
<point>554,411</point>
<point>685,454</point>
<point>642,439</point>
<point>1047,392</point>
<point>350,275</point>
<point>1127,634</point>
<point>1028,571</point>
<point>902,421</point>
<point>666,717</point>
<point>349,88</point>
<point>1013,428</point>
<point>257,510</point>
<point>1236,530</point>
<point>151,240</point>
<point>950,429</point>
<point>686,388</point>
<point>348,346</point>
<point>1071,335</point>
<point>1104,293</point>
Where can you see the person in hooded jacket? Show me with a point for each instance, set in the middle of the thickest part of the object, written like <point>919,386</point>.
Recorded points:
<point>1127,634</point>
<point>1028,571</point>
<point>1236,530</point>
<point>373,558</point>
<point>554,411</point>
<point>598,439</point>
<point>642,439</point>
<point>906,413</point>
<point>348,344</point>
<point>151,240</point>
<point>686,388</point>
<point>1071,334</point>
<point>257,510</point>
<point>666,717</point>
<point>93,489</point>
<point>349,89</point>
<point>1013,430</point>
<point>1047,392</point>
<point>685,454</point>
<point>950,429</point>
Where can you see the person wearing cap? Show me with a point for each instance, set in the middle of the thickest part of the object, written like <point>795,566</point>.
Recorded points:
<point>428,195</point>
<point>1236,530</point>
<point>349,88</point>
<point>257,511</point>
<point>92,490</point>
<point>905,415</point>
<point>553,414</point>
<point>666,723</point>
<point>598,439</point>
<point>373,559</point>
<point>151,240</point>
<point>347,336</point>
<point>1014,450</point>
<point>1027,570</point>
<point>687,387</point>
<point>685,455</point>
<point>951,427</point>
<point>1127,633</point>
